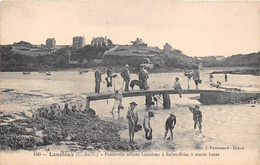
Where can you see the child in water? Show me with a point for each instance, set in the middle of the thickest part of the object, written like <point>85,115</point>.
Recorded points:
<point>197,116</point>
<point>146,124</point>
<point>169,125</point>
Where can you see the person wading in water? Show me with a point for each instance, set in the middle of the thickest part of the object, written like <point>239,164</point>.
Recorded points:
<point>169,125</point>
<point>132,117</point>
<point>197,116</point>
<point>147,125</point>
<point>118,100</point>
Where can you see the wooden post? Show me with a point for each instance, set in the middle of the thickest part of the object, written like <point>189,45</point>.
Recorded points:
<point>148,100</point>
<point>166,100</point>
<point>87,104</point>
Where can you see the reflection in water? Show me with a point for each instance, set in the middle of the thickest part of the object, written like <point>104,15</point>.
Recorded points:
<point>118,119</point>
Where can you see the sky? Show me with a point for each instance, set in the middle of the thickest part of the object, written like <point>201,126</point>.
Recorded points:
<point>196,28</point>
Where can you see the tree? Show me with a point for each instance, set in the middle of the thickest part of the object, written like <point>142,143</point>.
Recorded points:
<point>109,42</point>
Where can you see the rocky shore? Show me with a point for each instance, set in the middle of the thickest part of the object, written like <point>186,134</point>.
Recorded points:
<point>56,124</point>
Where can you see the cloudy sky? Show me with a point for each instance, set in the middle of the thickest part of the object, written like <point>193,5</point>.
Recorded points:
<point>196,28</point>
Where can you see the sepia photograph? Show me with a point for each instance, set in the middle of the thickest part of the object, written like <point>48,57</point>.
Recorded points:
<point>130,82</point>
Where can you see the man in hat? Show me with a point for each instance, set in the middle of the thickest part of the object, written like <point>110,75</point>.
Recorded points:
<point>169,125</point>
<point>126,76</point>
<point>97,80</point>
<point>177,86</point>
<point>143,76</point>
<point>196,76</point>
<point>197,116</point>
<point>109,78</point>
<point>147,126</point>
<point>132,117</point>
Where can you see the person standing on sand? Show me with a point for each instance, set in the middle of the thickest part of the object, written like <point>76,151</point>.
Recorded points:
<point>97,80</point>
<point>210,77</point>
<point>126,76</point>
<point>132,117</point>
<point>197,116</point>
<point>225,77</point>
<point>196,76</point>
<point>169,125</point>
<point>147,126</point>
<point>177,86</point>
<point>109,79</point>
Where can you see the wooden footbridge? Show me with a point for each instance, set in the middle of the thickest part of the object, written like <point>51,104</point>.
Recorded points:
<point>215,96</point>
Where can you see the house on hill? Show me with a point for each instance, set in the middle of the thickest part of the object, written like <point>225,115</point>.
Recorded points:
<point>78,42</point>
<point>220,58</point>
<point>139,43</point>
<point>99,41</point>
<point>22,44</point>
<point>167,47</point>
<point>50,43</point>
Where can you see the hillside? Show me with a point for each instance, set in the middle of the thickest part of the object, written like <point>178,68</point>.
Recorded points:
<point>40,59</point>
<point>12,60</point>
<point>250,60</point>
<point>240,60</point>
<point>136,55</point>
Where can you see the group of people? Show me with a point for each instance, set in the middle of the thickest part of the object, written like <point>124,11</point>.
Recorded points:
<point>125,74</point>
<point>142,78</point>
<point>98,79</point>
<point>170,123</point>
<point>211,77</point>
<point>132,114</point>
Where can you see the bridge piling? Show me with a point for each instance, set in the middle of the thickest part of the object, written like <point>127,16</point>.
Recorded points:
<point>148,100</point>
<point>166,100</point>
<point>87,103</point>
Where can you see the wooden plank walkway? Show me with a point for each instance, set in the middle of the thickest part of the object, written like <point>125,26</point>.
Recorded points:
<point>101,96</point>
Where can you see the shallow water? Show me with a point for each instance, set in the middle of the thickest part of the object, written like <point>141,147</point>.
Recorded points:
<point>223,125</point>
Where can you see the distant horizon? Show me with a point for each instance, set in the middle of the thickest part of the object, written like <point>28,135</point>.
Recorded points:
<point>148,46</point>
<point>196,28</point>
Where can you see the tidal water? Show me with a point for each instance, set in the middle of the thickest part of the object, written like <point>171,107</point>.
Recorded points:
<point>222,125</point>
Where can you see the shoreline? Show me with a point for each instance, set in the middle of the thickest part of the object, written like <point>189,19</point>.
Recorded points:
<point>55,123</point>
<point>254,72</point>
<point>118,69</point>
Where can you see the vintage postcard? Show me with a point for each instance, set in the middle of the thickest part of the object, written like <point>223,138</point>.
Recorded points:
<point>130,82</point>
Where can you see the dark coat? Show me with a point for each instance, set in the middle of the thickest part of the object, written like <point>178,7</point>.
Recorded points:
<point>125,74</point>
<point>97,76</point>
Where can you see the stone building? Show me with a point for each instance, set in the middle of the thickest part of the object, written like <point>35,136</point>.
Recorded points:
<point>99,41</point>
<point>78,42</point>
<point>167,47</point>
<point>139,43</point>
<point>50,42</point>
<point>220,58</point>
